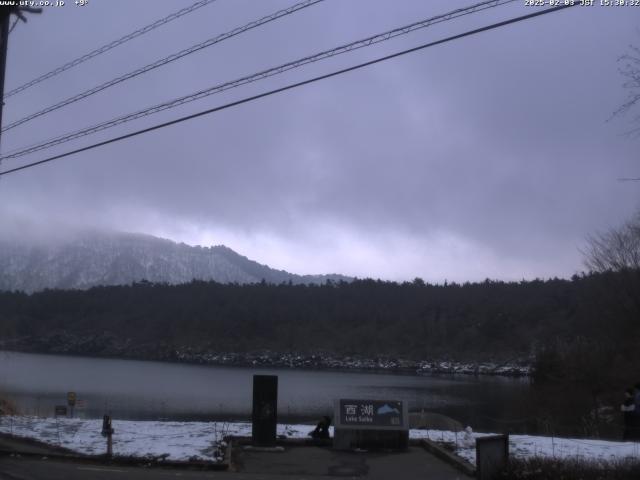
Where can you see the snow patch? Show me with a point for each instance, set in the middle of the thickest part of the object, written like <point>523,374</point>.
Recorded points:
<point>184,441</point>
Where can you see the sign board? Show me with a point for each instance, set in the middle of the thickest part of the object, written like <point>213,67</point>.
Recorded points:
<point>81,404</point>
<point>61,410</point>
<point>71,398</point>
<point>375,414</point>
<point>370,424</point>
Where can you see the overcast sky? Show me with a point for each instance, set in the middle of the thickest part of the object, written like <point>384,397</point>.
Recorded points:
<point>489,156</point>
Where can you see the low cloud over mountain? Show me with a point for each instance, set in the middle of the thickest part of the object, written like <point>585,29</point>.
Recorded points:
<point>96,258</point>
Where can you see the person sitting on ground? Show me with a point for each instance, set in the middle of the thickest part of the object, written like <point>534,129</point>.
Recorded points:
<point>628,409</point>
<point>322,429</point>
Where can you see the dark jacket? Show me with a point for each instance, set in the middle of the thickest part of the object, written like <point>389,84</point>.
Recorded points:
<point>629,412</point>
<point>628,409</point>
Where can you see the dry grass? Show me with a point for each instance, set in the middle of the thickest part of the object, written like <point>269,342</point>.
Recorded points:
<point>7,407</point>
<point>550,469</point>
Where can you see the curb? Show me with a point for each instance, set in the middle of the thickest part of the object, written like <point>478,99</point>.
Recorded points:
<point>286,442</point>
<point>61,453</point>
<point>443,454</point>
<point>32,442</point>
<point>117,460</point>
<point>241,442</point>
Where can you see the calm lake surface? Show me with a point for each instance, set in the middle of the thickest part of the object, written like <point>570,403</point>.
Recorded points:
<point>131,389</point>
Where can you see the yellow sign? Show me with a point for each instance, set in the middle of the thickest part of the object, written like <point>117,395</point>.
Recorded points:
<point>71,398</point>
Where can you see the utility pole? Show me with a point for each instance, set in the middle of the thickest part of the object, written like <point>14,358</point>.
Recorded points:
<point>5,19</point>
<point>4,39</point>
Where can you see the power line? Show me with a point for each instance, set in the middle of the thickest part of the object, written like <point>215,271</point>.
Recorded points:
<point>109,46</point>
<point>381,37</point>
<point>163,61</point>
<point>291,86</point>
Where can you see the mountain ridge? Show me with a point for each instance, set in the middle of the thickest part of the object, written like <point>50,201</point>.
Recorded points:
<point>93,258</point>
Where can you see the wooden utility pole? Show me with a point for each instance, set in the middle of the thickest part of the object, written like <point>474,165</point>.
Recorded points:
<point>5,19</point>
<point>4,39</point>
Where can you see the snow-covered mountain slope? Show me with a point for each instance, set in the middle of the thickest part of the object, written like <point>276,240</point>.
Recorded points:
<point>106,258</point>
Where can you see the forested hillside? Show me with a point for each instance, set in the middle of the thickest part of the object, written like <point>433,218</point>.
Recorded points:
<point>591,318</point>
<point>80,260</point>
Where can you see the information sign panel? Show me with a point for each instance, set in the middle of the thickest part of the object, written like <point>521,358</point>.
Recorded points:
<point>371,413</point>
<point>368,423</point>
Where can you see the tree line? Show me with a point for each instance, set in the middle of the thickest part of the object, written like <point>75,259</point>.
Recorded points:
<point>585,316</point>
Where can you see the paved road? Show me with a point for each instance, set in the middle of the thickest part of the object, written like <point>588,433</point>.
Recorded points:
<point>292,463</point>
<point>23,468</point>
<point>13,444</point>
<point>276,467</point>
<point>316,462</point>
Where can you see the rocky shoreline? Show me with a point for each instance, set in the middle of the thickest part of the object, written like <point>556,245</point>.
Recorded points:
<point>327,361</point>
<point>108,346</point>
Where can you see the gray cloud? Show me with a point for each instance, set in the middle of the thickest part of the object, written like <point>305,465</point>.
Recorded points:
<point>489,156</point>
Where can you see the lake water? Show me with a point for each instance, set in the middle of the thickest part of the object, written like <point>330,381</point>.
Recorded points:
<point>131,389</point>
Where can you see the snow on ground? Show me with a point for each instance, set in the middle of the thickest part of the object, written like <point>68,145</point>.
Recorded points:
<point>182,441</point>
<point>178,441</point>
<point>527,446</point>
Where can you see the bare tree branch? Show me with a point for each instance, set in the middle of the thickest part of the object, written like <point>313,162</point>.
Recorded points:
<point>615,250</point>
<point>629,68</point>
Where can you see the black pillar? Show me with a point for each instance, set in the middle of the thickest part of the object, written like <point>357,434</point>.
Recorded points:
<point>4,40</point>
<point>265,409</point>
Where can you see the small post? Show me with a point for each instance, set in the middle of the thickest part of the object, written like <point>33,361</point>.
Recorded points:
<point>107,431</point>
<point>71,401</point>
<point>58,430</point>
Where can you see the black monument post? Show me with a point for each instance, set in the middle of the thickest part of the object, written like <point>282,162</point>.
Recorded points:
<point>265,410</point>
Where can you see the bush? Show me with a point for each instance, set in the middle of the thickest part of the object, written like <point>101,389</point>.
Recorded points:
<point>7,407</point>
<point>555,469</point>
